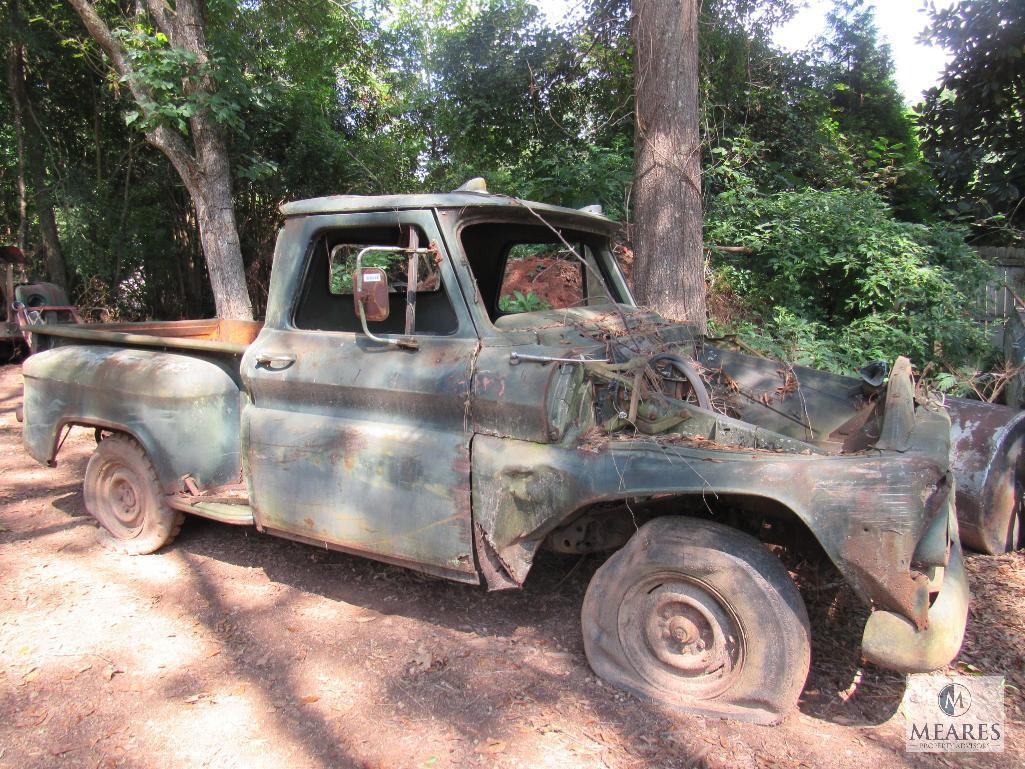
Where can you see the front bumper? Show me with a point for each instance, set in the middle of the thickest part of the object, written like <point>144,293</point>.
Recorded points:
<point>893,642</point>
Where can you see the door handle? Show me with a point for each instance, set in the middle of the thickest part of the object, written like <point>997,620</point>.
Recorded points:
<point>280,361</point>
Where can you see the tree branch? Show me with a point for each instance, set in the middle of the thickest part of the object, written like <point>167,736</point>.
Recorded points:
<point>158,10</point>
<point>164,139</point>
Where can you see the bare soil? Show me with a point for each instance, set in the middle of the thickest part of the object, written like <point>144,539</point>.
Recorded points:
<point>234,649</point>
<point>556,281</point>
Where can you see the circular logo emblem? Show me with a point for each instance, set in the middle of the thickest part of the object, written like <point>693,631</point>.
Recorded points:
<point>954,700</point>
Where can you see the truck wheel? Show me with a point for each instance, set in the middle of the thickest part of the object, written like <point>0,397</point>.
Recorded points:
<point>122,493</point>
<point>699,617</point>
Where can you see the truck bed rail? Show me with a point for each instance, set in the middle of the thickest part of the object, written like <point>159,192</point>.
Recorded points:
<point>232,337</point>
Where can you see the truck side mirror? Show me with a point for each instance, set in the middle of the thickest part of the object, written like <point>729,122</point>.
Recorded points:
<point>370,290</point>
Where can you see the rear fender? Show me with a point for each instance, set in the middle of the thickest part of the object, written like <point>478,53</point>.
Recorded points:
<point>183,410</point>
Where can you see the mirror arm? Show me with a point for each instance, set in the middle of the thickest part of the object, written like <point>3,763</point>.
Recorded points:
<point>412,280</point>
<point>406,343</point>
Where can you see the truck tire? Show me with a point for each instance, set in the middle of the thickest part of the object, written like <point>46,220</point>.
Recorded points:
<point>701,618</point>
<point>122,493</point>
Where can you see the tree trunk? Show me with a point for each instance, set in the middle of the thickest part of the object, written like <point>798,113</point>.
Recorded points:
<point>211,188</point>
<point>204,166</point>
<point>219,236</point>
<point>19,120</point>
<point>669,271</point>
<point>35,164</point>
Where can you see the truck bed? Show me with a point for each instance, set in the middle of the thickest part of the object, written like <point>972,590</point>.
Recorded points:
<point>224,336</point>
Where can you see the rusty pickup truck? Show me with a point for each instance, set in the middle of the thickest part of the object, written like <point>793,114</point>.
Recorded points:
<point>395,404</point>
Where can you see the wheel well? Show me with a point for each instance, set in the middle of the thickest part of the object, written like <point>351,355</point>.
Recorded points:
<point>98,425</point>
<point>102,426</point>
<point>609,524</point>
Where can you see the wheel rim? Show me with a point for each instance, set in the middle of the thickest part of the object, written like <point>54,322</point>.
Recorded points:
<point>681,635</point>
<point>121,500</point>
<point>1019,513</point>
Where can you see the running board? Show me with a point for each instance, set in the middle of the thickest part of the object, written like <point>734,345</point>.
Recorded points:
<point>236,513</point>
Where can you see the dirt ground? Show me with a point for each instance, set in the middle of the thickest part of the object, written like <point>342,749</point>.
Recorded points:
<point>233,649</point>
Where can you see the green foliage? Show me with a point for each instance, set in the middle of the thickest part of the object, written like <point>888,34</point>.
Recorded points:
<point>857,71</point>
<point>179,85</point>
<point>520,302</point>
<point>343,268</point>
<point>811,160</point>
<point>834,280</point>
<point>763,110</point>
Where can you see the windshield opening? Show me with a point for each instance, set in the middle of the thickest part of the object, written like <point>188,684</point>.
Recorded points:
<point>528,268</point>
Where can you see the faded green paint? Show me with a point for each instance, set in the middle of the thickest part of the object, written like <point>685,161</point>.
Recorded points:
<point>184,410</point>
<point>869,512</point>
<point>460,461</point>
<point>464,202</point>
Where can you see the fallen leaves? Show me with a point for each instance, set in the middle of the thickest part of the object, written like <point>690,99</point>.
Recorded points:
<point>491,747</point>
<point>33,719</point>
<point>425,661</point>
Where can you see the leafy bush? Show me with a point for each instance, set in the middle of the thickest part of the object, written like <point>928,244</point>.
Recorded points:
<point>520,302</point>
<point>831,279</point>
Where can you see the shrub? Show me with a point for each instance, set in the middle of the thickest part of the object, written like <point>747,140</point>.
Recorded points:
<point>520,302</point>
<point>832,279</point>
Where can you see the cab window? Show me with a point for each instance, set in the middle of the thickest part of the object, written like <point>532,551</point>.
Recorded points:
<point>325,299</point>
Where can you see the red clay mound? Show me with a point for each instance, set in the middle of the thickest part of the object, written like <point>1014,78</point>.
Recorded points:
<point>556,281</point>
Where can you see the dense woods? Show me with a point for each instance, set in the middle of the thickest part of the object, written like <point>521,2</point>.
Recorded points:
<point>133,144</point>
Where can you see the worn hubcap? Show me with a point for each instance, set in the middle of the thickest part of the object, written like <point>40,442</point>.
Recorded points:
<point>680,634</point>
<point>122,501</point>
<point>126,504</point>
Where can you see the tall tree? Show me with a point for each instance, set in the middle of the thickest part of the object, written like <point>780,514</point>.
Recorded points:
<point>189,135</point>
<point>974,121</point>
<point>32,157</point>
<point>669,268</point>
<point>857,73</point>
<point>19,140</point>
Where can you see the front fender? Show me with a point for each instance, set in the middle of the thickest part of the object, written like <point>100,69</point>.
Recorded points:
<point>868,512</point>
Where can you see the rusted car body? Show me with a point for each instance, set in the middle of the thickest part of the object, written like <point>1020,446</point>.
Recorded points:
<point>24,305</point>
<point>457,439</point>
<point>986,442</point>
<point>1014,356</point>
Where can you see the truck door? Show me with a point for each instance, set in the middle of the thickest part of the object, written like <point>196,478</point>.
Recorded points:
<point>352,444</point>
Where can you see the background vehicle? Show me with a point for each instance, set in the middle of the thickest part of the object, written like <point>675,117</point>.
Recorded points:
<point>27,304</point>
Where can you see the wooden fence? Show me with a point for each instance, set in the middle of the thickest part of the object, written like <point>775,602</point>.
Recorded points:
<point>997,304</point>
